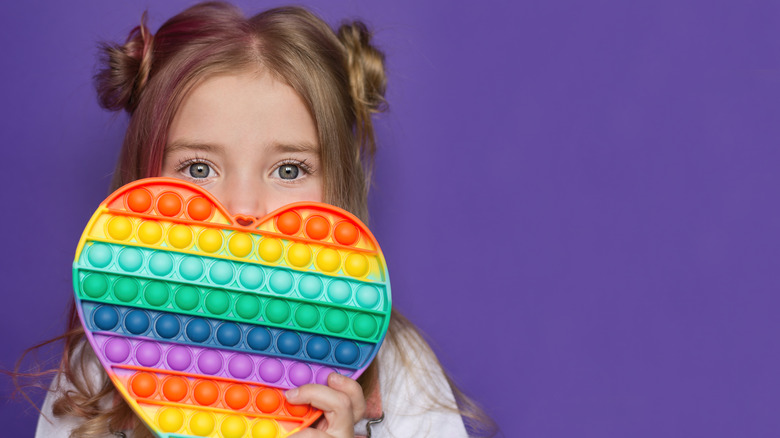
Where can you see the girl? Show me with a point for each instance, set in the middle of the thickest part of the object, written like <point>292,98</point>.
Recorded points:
<point>262,112</point>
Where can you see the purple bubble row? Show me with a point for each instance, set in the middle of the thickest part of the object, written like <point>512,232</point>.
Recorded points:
<point>272,371</point>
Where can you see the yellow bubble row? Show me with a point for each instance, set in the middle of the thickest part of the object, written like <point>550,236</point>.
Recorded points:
<point>239,245</point>
<point>173,420</point>
<point>327,260</point>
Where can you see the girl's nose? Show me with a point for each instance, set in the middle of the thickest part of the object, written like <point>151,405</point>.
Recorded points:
<point>244,200</point>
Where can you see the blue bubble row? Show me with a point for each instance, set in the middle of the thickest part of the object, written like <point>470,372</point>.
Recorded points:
<point>208,332</point>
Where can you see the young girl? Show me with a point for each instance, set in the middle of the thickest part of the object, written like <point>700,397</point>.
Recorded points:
<point>262,112</point>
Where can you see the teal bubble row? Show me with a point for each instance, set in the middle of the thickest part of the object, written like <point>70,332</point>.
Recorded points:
<point>241,276</point>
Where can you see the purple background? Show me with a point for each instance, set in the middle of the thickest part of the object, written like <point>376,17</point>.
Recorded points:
<point>578,200</point>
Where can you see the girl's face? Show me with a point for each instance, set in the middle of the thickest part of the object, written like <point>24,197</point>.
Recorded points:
<point>249,140</point>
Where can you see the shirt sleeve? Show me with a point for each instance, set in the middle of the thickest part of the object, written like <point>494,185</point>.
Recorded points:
<point>50,426</point>
<point>416,398</point>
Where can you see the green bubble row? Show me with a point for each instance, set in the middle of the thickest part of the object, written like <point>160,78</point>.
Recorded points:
<point>229,305</point>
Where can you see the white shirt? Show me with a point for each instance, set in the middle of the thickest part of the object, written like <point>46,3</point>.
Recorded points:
<point>407,412</point>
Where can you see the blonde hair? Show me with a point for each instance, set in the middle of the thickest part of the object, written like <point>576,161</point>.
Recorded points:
<point>339,75</point>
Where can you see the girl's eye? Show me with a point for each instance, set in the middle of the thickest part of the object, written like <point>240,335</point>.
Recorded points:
<point>200,170</point>
<point>288,171</point>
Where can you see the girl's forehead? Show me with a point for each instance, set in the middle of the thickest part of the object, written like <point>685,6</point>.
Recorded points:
<point>244,109</point>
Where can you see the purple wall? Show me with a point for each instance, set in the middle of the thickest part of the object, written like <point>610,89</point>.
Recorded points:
<point>577,200</point>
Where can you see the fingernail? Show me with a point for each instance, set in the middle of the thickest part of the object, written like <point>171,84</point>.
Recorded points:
<point>291,393</point>
<point>335,377</point>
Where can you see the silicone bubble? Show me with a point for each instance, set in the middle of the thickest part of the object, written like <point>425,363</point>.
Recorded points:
<point>199,209</point>
<point>317,227</point>
<point>240,366</point>
<point>99,255</point>
<point>328,260</point>
<point>169,204</point>
<point>264,428</point>
<point>156,293</point>
<point>268,400</point>
<point>202,423</point>
<point>247,307</point>
<point>150,232</point>
<point>198,330</point>
<point>126,289</point>
<point>288,222</point>
<point>175,388</point>
<point>203,319</point>
<point>318,347</point>
<point>240,244</point>
<point>180,236</point>
<point>106,317</point>
<point>139,200</point>
<point>148,354</point>
<point>346,233</point>
<point>120,228</point>
<point>95,285</point>
<point>270,249</point>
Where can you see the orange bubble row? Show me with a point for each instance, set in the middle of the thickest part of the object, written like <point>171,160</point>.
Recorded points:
<point>169,204</point>
<point>206,392</point>
<point>317,227</point>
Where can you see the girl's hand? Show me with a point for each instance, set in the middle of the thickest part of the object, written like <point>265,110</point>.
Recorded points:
<point>341,402</point>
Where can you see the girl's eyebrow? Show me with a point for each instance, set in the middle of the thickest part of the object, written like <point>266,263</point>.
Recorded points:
<point>190,145</point>
<point>215,148</point>
<point>296,147</point>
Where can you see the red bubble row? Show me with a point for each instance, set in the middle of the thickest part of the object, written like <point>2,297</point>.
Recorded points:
<point>317,227</point>
<point>169,204</point>
<point>205,392</point>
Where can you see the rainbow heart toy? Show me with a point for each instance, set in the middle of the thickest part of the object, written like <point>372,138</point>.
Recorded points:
<point>203,319</point>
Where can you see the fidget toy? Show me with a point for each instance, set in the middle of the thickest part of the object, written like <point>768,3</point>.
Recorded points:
<point>203,319</point>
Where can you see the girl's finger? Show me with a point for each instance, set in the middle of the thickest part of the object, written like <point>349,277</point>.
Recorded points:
<point>341,401</point>
<point>310,432</point>
<point>353,390</point>
<point>336,407</point>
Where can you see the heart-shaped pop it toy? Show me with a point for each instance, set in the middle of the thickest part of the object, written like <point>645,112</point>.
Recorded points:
<point>202,319</point>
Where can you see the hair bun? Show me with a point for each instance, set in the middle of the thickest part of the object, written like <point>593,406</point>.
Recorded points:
<point>125,69</point>
<point>366,67</point>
